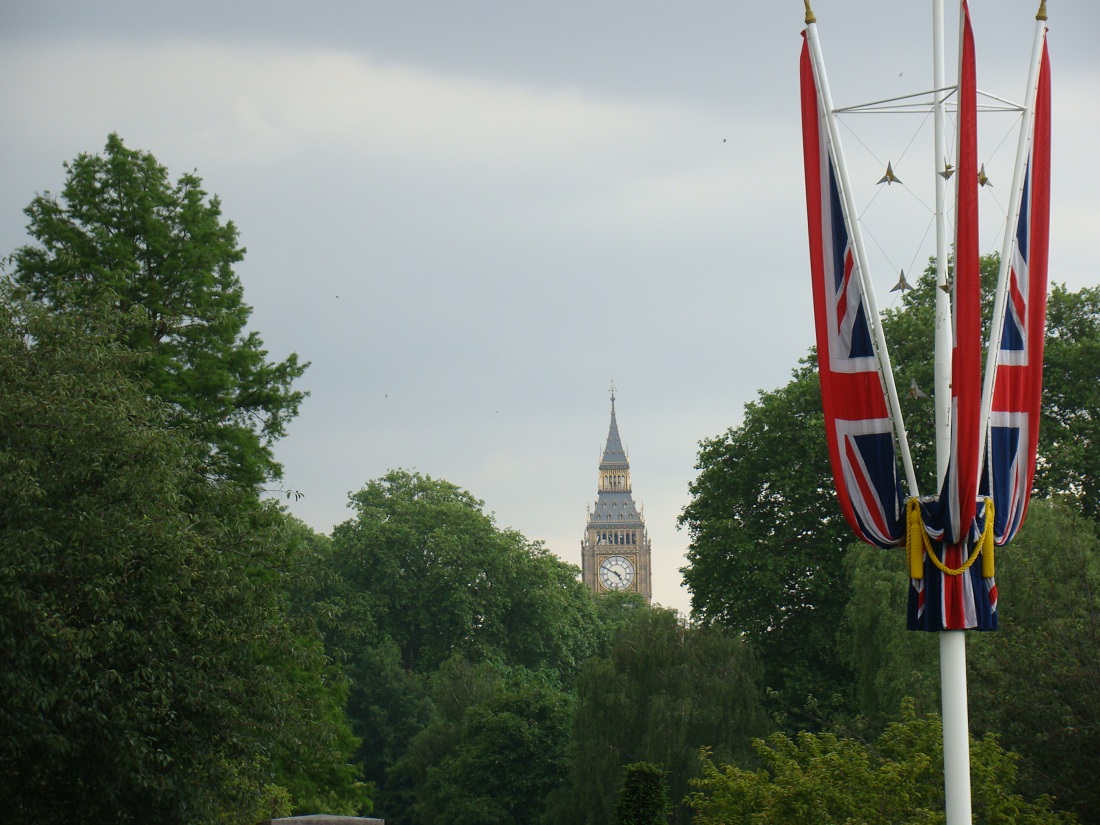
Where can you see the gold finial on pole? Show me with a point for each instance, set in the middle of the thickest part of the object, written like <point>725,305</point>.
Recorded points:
<point>1041,15</point>
<point>809,14</point>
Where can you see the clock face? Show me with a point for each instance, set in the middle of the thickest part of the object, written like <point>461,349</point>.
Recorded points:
<point>616,573</point>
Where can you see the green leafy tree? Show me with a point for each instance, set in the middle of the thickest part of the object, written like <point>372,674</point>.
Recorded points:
<point>495,750</point>
<point>422,564</point>
<point>889,662</point>
<point>422,576</point>
<point>822,779</point>
<point>644,797</point>
<point>664,690</point>
<point>767,538</point>
<point>1036,681</point>
<point>122,234</point>
<point>150,672</point>
<point>1069,440</point>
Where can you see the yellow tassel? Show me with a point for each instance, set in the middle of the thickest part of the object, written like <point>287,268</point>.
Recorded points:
<point>914,538</point>
<point>987,541</point>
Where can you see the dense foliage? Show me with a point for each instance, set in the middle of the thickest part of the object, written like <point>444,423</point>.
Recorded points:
<point>150,672</point>
<point>424,566</point>
<point>1070,434</point>
<point>823,778</point>
<point>425,593</point>
<point>767,539</point>
<point>122,234</point>
<point>159,664</point>
<point>644,797</point>
<point>494,750</point>
<point>663,690</point>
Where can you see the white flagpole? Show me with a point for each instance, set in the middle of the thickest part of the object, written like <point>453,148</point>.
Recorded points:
<point>1023,148</point>
<point>953,694</point>
<point>837,153</point>
<point>944,337</point>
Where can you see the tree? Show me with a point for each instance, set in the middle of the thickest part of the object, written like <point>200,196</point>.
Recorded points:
<point>123,235</point>
<point>767,539</point>
<point>1036,682</point>
<point>422,565</point>
<point>664,690</point>
<point>495,750</point>
<point>821,779</point>
<point>1069,440</point>
<point>150,672</point>
<point>889,663</point>
<point>644,797</point>
<point>421,577</point>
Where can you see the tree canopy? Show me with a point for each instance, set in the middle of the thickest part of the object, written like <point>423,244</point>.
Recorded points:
<point>767,539</point>
<point>122,234</point>
<point>663,690</point>
<point>644,797</point>
<point>150,670</point>
<point>423,566</point>
<point>420,582</point>
<point>494,750</point>
<point>821,779</point>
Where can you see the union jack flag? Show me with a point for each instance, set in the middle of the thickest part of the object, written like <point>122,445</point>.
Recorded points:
<point>1018,384</point>
<point>960,490</point>
<point>858,425</point>
<point>953,586</point>
<point>963,598</point>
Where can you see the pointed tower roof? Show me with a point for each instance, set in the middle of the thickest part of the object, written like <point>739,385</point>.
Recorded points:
<point>613,453</point>
<point>614,502</point>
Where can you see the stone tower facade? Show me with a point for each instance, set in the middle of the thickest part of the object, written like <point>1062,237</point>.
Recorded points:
<point>615,550</point>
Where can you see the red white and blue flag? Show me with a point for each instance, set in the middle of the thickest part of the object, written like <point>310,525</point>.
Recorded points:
<point>960,490</point>
<point>1018,387</point>
<point>858,425</point>
<point>951,537</point>
<point>962,598</point>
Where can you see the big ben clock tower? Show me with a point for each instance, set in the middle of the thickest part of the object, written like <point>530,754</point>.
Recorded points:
<point>615,552</point>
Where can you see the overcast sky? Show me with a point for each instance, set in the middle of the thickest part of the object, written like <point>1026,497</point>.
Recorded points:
<point>472,216</point>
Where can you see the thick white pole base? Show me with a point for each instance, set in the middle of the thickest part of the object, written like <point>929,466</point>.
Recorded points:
<point>956,727</point>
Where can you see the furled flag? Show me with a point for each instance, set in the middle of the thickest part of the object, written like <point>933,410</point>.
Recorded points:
<point>953,594</point>
<point>858,425</point>
<point>1014,418</point>
<point>961,484</point>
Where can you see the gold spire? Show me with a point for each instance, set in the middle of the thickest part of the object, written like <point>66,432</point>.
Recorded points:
<point>1041,15</point>
<point>810,14</point>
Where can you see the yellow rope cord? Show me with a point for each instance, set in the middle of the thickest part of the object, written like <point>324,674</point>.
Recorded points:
<point>917,542</point>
